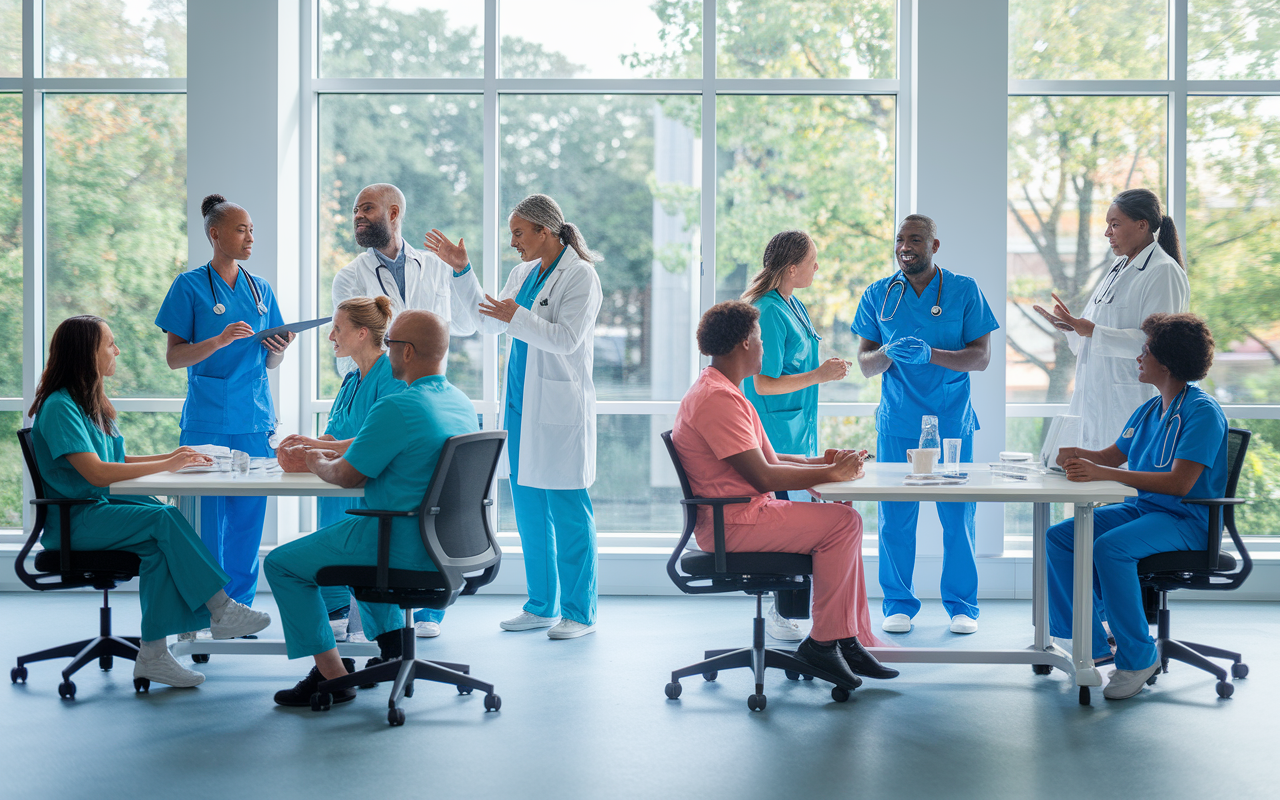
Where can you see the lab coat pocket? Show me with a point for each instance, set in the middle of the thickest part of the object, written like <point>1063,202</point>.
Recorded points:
<point>206,400</point>
<point>560,403</point>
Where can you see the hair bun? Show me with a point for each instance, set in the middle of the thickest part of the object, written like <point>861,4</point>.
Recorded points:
<point>209,202</point>
<point>384,305</point>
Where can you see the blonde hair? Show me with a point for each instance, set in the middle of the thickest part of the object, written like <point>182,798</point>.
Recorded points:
<point>783,250</point>
<point>373,313</point>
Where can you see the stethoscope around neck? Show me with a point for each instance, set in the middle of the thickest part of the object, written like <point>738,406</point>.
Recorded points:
<point>219,308</point>
<point>1174,415</point>
<point>377,271</point>
<point>1107,295</point>
<point>900,280</point>
<point>801,316</point>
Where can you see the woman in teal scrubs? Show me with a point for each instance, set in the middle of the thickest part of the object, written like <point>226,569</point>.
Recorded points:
<point>80,452</point>
<point>210,315</point>
<point>785,393</point>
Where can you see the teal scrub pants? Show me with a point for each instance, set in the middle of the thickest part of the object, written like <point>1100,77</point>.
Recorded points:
<point>558,535</point>
<point>231,527</point>
<point>291,571</point>
<point>177,577</point>
<point>898,543</point>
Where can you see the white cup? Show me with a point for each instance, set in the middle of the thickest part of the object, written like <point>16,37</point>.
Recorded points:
<point>922,460</point>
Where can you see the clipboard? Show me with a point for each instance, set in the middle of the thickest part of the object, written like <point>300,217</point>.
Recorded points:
<point>292,327</point>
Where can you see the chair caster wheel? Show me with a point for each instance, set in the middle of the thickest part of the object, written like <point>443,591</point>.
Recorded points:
<point>673,690</point>
<point>395,717</point>
<point>105,663</point>
<point>18,674</point>
<point>142,685</point>
<point>67,690</point>
<point>1084,695</point>
<point>839,694</point>
<point>408,689</point>
<point>465,690</point>
<point>1042,669</point>
<point>200,658</point>
<point>492,702</point>
<point>710,676</point>
<point>792,675</point>
<point>321,701</point>
<point>807,677</point>
<point>756,702</point>
<point>1152,680</point>
<point>1239,671</point>
<point>1225,689</point>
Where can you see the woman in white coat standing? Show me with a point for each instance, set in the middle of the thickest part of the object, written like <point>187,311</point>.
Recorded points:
<point>548,308</point>
<point>1147,277</point>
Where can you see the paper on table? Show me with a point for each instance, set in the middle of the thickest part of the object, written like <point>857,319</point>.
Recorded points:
<point>292,327</point>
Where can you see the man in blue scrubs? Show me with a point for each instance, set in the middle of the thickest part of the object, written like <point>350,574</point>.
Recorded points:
<point>393,457</point>
<point>925,329</point>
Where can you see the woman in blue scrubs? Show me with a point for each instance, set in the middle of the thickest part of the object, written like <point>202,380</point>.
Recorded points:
<point>785,393</point>
<point>80,452</point>
<point>209,315</point>
<point>1176,447</point>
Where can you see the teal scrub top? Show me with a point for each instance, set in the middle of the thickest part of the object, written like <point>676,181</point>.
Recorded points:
<point>62,428</point>
<point>358,395</point>
<point>519,354</point>
<point>1193,429</point>
<point>890,310</point>
<point>400,441</point>
<point>790,348</point>
<point>228,392</point>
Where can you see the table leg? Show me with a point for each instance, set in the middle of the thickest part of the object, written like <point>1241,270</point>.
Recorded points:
<point>189,505</point>
<point>1040,576</point>
<point>1082,601</point>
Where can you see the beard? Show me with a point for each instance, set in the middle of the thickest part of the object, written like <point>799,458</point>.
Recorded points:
<point>919,266</point>
<point>377,235</point>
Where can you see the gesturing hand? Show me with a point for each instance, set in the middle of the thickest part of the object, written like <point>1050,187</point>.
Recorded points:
<point>503,310</point>
<point>455,255</point>
<point>236,330</point>
<point>833,369</point>
<point>1062,316</point>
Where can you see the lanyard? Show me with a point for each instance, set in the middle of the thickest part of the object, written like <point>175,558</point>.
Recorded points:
<point>802,316</point>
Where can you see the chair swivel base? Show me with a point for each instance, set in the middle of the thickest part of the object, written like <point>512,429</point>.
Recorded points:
<point>103,647</point>
<point>757,661</point>
<point>1198,655</point>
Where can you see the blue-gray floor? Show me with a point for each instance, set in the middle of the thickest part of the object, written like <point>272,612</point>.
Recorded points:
<point>587,718</point>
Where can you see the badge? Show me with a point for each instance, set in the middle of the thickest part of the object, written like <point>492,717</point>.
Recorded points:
<point>1128,434</point>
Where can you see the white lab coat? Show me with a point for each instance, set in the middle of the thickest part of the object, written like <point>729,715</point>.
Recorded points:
<point>1107,391</point>
<point>558,431</point>
<point>429,284</point>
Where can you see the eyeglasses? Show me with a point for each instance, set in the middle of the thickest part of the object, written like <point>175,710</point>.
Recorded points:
<point>387,341</point>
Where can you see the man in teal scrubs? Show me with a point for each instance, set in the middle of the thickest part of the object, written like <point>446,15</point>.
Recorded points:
<point>393,457</point>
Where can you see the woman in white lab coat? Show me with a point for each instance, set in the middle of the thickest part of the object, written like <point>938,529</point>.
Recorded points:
<point>1147,277</point>
<point>548,308</point>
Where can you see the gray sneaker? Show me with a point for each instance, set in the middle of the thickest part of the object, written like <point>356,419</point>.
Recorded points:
<point>1125,683</point>
<point>527,622</point>
<point>164,668</point>
<point>781,628</point>
<point>239,620</point>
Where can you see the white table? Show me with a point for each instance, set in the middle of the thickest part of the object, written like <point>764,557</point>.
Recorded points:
<point>883,482</point>
<point>189,487</point>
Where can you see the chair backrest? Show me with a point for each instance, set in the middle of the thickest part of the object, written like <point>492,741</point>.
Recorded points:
<point>1237,447</point>
<point>454,519</point>
<point>690,511</point>
<point>29,456</point>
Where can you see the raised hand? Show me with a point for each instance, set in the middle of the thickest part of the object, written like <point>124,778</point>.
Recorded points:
<point>833,369</point>
<point>503,310</point>
<point>236,330</point>
<point>1060,324</point>
<point>455,255</point>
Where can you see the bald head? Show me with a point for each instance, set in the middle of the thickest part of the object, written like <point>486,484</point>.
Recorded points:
<point>429,336</point>
<point>377,215</point>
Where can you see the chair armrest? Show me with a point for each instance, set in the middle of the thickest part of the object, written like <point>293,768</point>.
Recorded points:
<point>373,512</point>
<point>1214,501</point>
<point>64,505</point>
<point>717,522</point>
<point>384,539</point>
<point>62,501</point>
<point>1214,534</point>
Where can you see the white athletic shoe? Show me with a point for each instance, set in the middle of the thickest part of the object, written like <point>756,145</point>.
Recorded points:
<point>781,628</point>
<point>962,624</point>
<point>527,622</point>
<point>896,623</point>
<point>426,629</point>
<point>239,620</point>
<point>339,627</point>
<point>164,668</point>
<point>1125,683</point>
<point>569,629</point>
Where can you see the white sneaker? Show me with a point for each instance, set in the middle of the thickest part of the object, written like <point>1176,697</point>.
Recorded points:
<point>426,629</point>
<point>164,668</point>
<point>896,623</point>
<point>239,620</point>
<point>570,629</point>
<point>962,624</point>
<point>1125,683</point>
<point>339,627</point>
<point>781,628</point>
<point>527,622</point>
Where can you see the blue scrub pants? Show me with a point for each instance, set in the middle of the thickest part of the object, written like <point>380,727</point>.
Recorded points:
<point>1122,536</point>
<point>291,571</point>
<point>177,577</point>
<point>898,543</point>
<point>558,534</point>
<point>231,527</point>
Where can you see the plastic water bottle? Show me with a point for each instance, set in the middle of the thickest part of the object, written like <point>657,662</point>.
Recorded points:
<point>929,439</point>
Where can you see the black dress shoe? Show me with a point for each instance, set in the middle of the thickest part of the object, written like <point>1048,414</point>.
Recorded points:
<point>861,661</point>
<point>300,695</point>
<point>829,660</point>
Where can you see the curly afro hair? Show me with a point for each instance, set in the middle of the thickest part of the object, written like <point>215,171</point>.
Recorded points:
<point>725,326</point>
<point>1182,343</point>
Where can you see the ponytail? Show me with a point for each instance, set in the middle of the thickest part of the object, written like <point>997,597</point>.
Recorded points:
<point>1168,240</point>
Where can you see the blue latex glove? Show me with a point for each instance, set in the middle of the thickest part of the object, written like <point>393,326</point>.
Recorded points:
<point>909,350</point>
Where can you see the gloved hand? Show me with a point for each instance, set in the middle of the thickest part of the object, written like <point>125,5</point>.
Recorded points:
<point>909,350</point>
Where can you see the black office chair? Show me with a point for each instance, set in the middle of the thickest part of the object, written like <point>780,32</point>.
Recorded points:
<point>454,523</point>
<point>758,574</point>
<point>65,568</point>
<point>1210,569</point>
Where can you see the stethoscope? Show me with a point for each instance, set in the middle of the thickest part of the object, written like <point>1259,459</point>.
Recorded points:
<point>219,308</point>
<point>1173,415</point>
<point>801,316</point>
<point>377,271</point>
<point>900,280</point>
<point>1108,292</point>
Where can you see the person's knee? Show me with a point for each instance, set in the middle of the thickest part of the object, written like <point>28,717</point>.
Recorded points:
<point>1112,549</point>
<point>1063,535</point>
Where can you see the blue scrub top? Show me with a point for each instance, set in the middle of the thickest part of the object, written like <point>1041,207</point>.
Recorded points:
<point>1201,437</point>
<point>228,392</point>
<point>399,444</point>
<point>62,428</point>
<point>357,396</point>
<point>790,347</point>
<point>910,391</point>
<point>519,353</point>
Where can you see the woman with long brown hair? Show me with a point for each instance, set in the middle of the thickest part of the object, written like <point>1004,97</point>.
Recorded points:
<point>80,452</point>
